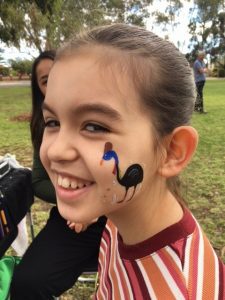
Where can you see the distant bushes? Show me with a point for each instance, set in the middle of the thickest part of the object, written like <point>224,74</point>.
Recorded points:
<point>18,68</point>
<point>4,71</point>
<point>218,72</point>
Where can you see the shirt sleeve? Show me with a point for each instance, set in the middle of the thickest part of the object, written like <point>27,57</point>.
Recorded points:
<point>198,66</point>
<point>41,183</point>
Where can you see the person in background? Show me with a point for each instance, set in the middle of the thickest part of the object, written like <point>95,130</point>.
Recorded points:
<point>123,133</point>
<point>200,78</point>
<point>58,255</point>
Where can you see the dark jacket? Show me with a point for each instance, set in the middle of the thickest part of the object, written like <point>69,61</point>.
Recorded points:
<point>41,183</point>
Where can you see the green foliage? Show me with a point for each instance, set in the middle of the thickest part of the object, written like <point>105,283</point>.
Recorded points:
<point>21,66</point>
<point>46,24</point>
<point>207,27</point>
<point>167,17</point>
<point>221,73</point>
<point>4,71</point>
<point>1,58</point>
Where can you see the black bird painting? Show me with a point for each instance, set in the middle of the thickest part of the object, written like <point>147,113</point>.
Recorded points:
<point>132,176</point>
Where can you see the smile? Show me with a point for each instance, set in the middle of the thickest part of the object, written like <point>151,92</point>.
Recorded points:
<point>75,184</point>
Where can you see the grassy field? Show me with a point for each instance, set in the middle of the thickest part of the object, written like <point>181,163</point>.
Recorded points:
<point>203,181</point>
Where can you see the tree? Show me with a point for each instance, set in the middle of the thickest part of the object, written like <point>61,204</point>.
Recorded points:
<point>46,24</point>
<point>21,66</point>
<point>168,17</point>
<point>207,27</point>
<point>1,58</point>
<point>165,16</point>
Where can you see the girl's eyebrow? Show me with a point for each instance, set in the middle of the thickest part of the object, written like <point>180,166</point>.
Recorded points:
<point>98,108</point>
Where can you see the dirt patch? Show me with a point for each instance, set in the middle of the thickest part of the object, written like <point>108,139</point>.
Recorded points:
<point>21,118</point>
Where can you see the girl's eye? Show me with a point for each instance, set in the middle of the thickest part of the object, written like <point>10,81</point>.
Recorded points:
<point>44,82</point>
<point>52,123</point>
<point>96,128</point>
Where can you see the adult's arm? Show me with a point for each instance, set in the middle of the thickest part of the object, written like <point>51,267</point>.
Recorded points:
<point>200,69</point>
<point>41,183</point>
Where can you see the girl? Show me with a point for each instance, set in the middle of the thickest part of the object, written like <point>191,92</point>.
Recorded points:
<point>80,251</point>
<point>114,146</point>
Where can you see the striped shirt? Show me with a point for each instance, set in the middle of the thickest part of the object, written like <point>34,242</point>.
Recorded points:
<point>177,263</point>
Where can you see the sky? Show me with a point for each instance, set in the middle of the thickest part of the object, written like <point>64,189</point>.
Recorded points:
<point>14,53</point>
<point>179,33</point>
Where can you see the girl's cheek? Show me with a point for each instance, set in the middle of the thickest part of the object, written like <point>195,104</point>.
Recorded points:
<point>114,189</point>
<point>120,179</point>
<point>112,193</point>
<point>43,154</point>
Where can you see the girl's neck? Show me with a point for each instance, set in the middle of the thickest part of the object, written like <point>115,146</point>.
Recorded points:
<point>142,221</point>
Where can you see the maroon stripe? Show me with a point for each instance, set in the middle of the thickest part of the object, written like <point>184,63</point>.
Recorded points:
<point>179,249</point>
<point>106,279</point>
<point>140,279</point>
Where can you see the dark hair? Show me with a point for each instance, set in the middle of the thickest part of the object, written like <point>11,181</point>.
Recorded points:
<point>37,122</point>
<point>160,73</point>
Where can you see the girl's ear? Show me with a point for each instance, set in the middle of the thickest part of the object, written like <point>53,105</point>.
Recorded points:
<point>179,148</point>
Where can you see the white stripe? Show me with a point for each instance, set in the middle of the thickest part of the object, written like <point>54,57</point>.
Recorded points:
<point>200,267</point>
<point>168,278</point>
<point>186,268</point>
<point>216,295</point>
<point>147,281</point>
<point>174,256</point>
<point>102,286</point>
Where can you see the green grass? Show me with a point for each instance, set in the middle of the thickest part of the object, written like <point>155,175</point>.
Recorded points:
<point>15,135</point>
<point>204,179</point>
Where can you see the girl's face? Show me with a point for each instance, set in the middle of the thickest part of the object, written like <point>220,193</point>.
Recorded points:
<point>42,71</point>
<point>98,145</point>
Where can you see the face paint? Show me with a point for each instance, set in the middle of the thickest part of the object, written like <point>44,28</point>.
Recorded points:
<point>132,176</point>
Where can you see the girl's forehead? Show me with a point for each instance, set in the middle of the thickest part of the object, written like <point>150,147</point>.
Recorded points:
<point>84,79</point>
<point>82,69</point>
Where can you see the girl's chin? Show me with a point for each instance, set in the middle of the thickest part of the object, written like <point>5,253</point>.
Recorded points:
<point>70,214</point>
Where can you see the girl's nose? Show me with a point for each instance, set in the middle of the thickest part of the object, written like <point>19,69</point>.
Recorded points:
<point>62,149</point>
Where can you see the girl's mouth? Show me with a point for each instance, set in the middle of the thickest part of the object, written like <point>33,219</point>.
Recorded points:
<point>70,190</point>
<point>75,184</point>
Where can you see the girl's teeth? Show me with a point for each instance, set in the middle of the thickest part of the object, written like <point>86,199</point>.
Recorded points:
<point>73,185</point>
<point>80,185</point>
<point>59,180</point>
<point>65,183</point>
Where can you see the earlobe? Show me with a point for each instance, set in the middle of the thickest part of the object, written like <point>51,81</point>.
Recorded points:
<point>180,147</point>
